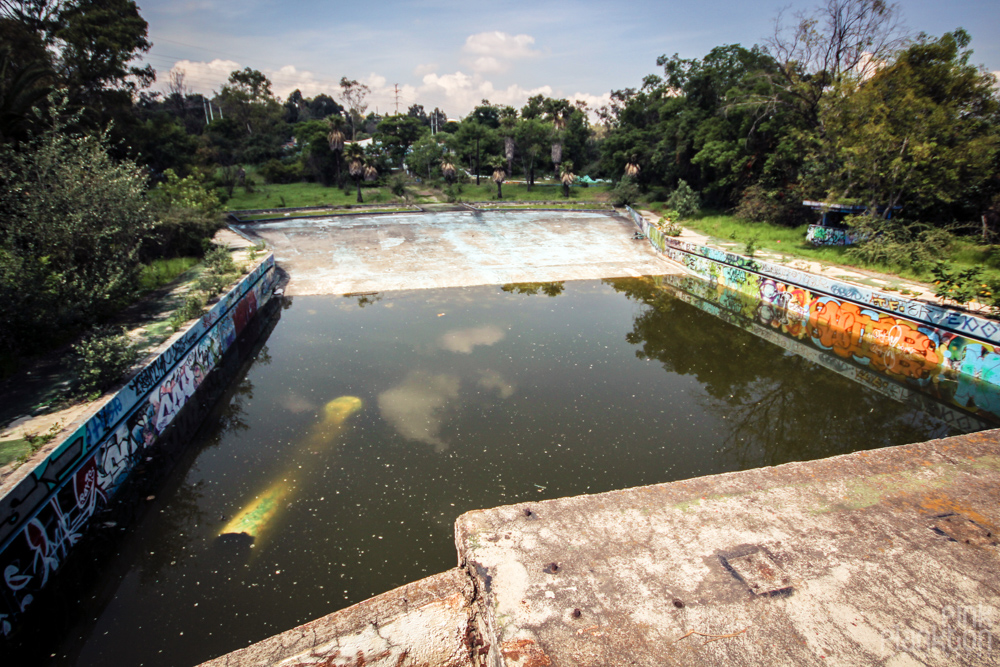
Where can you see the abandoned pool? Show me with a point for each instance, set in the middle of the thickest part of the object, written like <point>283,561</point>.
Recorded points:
<point>452,399</point>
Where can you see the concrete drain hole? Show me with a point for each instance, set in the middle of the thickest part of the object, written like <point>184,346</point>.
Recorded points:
<point>958,528</point>
<point>757,569</point>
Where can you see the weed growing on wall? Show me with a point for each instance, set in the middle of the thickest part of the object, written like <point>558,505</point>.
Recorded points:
<point>961,287</point>
<point>220,272</point>
<point>101,358</point>
<point>36,441</point>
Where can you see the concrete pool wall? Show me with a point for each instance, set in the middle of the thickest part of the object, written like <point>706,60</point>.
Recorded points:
<point>902,337</point>
<point>46,508</point>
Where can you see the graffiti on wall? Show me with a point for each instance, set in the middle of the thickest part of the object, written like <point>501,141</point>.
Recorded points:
<point>907,338</point>
<point>822,235</point>
<point>962,402</point>
<point>916,311</point>
<point>45,515</point>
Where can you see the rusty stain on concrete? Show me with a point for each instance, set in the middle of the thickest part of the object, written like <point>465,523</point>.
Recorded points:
<point>344,255</point>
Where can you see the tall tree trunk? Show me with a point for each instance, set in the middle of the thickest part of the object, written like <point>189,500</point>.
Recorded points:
<point>499,192</point>
<point>358,181</point>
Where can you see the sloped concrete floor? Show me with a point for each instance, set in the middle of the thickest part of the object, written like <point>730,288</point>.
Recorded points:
<point>343,255</point>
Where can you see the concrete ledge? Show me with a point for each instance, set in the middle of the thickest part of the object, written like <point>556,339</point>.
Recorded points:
<point>880,557</point>
<point>423,623</point>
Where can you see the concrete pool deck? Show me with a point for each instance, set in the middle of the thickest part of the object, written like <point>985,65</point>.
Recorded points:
<point>344,255</point>
<point>882,557</point>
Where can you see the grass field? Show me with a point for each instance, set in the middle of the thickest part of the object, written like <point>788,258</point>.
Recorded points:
<point>293,195</point>
<point>487,191</point>
<point>162,272</point>
<point>791,241</point>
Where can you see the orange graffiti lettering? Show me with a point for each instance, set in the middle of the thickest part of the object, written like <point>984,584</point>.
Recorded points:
<point>889,344</point>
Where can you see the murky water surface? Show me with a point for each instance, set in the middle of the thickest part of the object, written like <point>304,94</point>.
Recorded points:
<point>469,398</point>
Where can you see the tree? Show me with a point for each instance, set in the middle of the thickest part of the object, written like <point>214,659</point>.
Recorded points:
<point>919,133</point>
<point>558,112</point>
<point>843,38</point>
<point>470,140</point>
<point>354,154</point>
<point>508,123</point>
<point>425,155</point>
<point>335,139</point>
<point>498,174</point>
<point>248,101</point>
<point>567,177</point>
<point>533,137</point>
<point>397,134</point>
<point>354,93</point>
<point>72,220</point>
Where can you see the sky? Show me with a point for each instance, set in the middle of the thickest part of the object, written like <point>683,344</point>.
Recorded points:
<point>451,54</point>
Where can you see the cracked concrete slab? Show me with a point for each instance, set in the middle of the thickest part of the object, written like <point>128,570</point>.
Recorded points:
<point>880,557</point>
<point>423,623</point>
<point>343,255</point>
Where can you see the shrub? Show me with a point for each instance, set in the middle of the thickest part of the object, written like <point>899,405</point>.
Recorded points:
<point>684,200</point>
<point>780,206</point>
<point>397,184</point>
<point>276,171</point>
<point>897,243</point>
<point>961,286</point>
<point>625,193</point>
<point>101,358</point>
<point>72,221</point>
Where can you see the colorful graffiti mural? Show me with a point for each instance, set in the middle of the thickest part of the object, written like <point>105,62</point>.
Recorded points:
<point>689,254</point>
<point>822,235</point>
<point>963,402</point>
<point>46,514</point>
<point>903,337</point>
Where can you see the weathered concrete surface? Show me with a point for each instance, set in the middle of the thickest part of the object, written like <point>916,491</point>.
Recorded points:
<point>423,623</point>
<point>341,255</point>
<point>885,557</point>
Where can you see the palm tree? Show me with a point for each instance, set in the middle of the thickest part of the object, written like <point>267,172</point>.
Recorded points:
<point>558,111</point>
<point>448,170</point>
<point>371,173</point>
<point>499,174</point>
<point>336,139</point>
<point>632,168</point>
<point>355,156</point>
<point>508,122</point>
<point>567,177</point>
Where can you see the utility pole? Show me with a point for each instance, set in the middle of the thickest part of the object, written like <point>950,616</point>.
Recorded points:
<point>204,106</point>
<point>397,98</point>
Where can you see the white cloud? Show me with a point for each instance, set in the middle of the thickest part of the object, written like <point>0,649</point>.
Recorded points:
<point>464,341</point>
<point>203,77</point>
<point>458,93</point>
<point>494,51</point>
<point>419,406</point>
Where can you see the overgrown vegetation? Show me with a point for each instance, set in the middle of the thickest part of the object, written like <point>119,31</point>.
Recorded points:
<point>101,358</point>
<point>220,271</point>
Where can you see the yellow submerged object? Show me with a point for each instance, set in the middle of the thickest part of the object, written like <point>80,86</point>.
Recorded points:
<point>253,519</point>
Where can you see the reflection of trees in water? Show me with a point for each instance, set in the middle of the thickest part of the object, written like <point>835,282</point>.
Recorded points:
<point>548,289</point>
<point>365,299</point>
<point>776,406</point>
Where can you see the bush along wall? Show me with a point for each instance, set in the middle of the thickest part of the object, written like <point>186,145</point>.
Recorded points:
<point>46,510</point>
<point>901,337</point>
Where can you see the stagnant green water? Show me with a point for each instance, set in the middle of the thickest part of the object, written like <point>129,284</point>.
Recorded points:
<point>470,398</point>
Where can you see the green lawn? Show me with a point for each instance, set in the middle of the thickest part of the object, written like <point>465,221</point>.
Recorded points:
<point>294,195</point>
<point>326,213</point>
<point>791,242</point>
<point>487,191</point>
